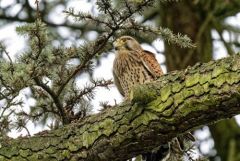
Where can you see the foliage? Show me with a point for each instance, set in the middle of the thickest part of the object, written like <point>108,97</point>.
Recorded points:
<point>49,72</point>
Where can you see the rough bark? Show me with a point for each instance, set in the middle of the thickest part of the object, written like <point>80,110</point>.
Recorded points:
<point>196,21</point>
<point>158,111</point>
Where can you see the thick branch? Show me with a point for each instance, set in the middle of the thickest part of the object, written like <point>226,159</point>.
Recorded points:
<point>172,105</point>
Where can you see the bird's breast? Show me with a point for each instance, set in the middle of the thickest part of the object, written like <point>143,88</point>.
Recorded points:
<point>130,71</point>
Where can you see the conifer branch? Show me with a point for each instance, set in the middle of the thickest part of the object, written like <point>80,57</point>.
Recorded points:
<point>99,45</point>
<point>55,99</point>
<point>88,89</point>
<point>44,61</point>
<point>4,50</point>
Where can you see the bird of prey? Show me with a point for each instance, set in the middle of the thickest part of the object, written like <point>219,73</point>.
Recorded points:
<point>132,66</point>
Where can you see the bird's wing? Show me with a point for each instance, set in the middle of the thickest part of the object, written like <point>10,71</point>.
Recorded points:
<point>117,84</point>
<point>151,63</point>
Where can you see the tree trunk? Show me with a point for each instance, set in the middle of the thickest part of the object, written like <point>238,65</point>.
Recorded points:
<point>186,18</point>
<point>157,112</point>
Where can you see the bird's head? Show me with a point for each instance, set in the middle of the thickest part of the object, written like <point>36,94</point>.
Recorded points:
<point>126,43</point>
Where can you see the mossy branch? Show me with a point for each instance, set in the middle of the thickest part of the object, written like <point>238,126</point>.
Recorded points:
<point>158,111</point>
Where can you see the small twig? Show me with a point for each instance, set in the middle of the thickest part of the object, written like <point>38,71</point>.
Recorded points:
<point>87,91</point>
<point>3,48</point>
<point>226,44</point>
<point>87,17</point>
<point>95,85</point>
<point>28,132</point>
<point>38,11</point>
<point>55,99</point>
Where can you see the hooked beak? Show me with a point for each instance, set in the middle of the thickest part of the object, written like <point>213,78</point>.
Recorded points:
<point>117,44</point>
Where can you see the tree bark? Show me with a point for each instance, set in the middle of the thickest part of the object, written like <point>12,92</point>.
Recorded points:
<point>158,111</point>
<point>196,21</point>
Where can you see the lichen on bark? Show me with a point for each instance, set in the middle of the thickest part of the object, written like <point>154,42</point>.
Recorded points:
<point>158,111</point>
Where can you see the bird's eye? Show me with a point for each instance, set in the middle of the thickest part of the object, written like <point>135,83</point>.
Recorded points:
<point>128,45</point>
<point>126,39</point>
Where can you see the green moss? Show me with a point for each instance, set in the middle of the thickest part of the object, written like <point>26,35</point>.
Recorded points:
<point>34,157</point>
<point>178,98</point>
<point>168,112</point>
<point>214,91</point>
<point>218,82</point>
<point>165,92</point>
<point>82,154</point>
<point>207,101</point>
<point>73,147</point>
<point>65,154</point>
<point>108,126</point>
<point>125,119</point>
<point>206,77</point>
<point>142,94</point>
<point>50,150</point>
<point>95,127</point>
<point>190,106</point>
<point>3,158</point>
<point>154,104</point>
<point>9,152</point>
<point>144,119</point>
<point>198,90</point>
<point>118,139</point>
<point>225,88</point>
<point>24,153</point>
<point>233,78</point>
<point>218,70</point>
<point>187,93</point>
<point>192,80</point>
<point>84,128</point>
<point>159,107</point>
<point>169,120</point>
<point>176,87</point>
<point>88,138</point>
<point>136,111</point>
<point>236,63</point>
<point>205,87</point>
<point>123,129</point>
<point>18,158</point>
<point>168,103</point>
<point>201,107</point>
<point>78,142</point>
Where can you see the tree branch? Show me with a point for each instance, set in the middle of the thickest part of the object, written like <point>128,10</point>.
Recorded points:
<point>51,24</point>
<point>158,111</point>
<point>55,98</point>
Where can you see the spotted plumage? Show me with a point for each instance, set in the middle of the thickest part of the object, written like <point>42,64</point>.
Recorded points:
<point>133,65</point>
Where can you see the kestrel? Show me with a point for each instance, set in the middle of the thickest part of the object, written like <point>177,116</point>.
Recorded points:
<point>133,65</point>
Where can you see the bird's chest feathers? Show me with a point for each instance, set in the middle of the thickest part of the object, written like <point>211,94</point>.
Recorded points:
<point>129,67</point>
<point>127,62</point>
